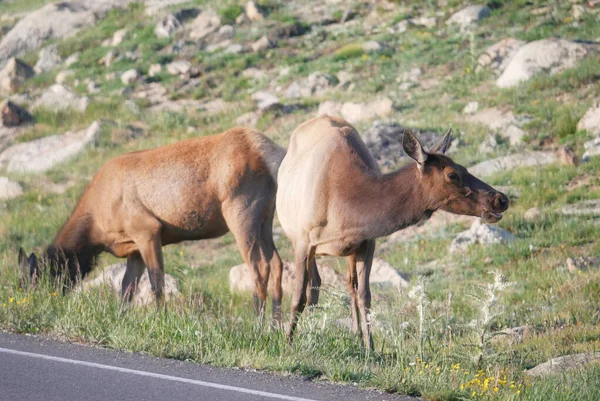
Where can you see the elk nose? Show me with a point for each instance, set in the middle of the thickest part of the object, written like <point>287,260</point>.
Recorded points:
<point>501,202</point>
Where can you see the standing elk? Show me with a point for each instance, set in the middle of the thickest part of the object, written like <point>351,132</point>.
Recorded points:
<point>333,200</point>
<point>194,189</point>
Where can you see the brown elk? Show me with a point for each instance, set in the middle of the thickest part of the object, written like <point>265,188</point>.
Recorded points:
<point>333,200</point>
<point>194,189</point>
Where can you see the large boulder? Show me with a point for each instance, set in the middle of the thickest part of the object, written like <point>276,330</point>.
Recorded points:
<point>592,148</point>
<point>44,153</point>
<point>166,26</point>
<point>510,162</point>
<point>48,59</point>
<point>12,76</point>
<point>58,98</point>
<point>204,24</point>
<point>112,277</point>
<point>542,56</point>
<point>482,234</point>
<point>9,189</point>
<point>564,364</point>
<point>469,15</point>
<point>591,120</point>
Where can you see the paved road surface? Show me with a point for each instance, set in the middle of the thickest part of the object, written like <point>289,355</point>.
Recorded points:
<point>34,368</point>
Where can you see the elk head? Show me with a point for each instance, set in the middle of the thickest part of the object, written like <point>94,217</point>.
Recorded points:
<point>63,268</point>
<point>28,268</point>
<point>449,186</point>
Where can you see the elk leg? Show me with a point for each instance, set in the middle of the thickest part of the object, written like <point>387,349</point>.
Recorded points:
<point>273,261</point>
<point>135,269</point>
<point>363,268</point>
<point>303,258</point>
<point>314,284</point>
<point>352,285</point>
<point>151,251</point>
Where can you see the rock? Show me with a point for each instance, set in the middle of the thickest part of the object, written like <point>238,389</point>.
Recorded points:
<point>261,44</point>
<point>510,162</point>
<point>130,76</point>
<point>248,119</point>
<point>252,12</point>
<point>592,148</point>
<point>57,98</point>
<point>265,100</point>
<point>354,112</point>
<point>330,108</point>
<point>533,215</point>
<point>482,234</point>
<point>179,67</point>
<point>469,15</point>
<point>111,278</point>
<point>471,108</point>
<point>42,154</point>
<point>9,189</point>
<point>167,26</point>
<point>581,263</point>
<point>154,6</point>
<point>225,32</point>
<point>235,48</point>
<point>204,24</point>
<point>64,76</point>
<point>12,76</point>
<point>254,73</point>
<point>489,145</point>
<point>384,140</point>
<point>590,121</point>
<point>541,56</point>
<point>384,274</point>
<point>72,59</point>
<point>427,22</point>
<point>13,115</point>
<point>288,30</point>
<point>372,47</point>
<point>514,135</point>
<point>583,208</point>
<point>48,59</point>
<point>498,56</point>
<point>154,70</point>
<point>93,88</point>
<point>567,156</point>
<point>564,364</point>
<point>514,334</point>
<point>118,37</point>
<point>494,118</point>
<point>401,26</point>
<point>315,84</point>
<point>108,58</point>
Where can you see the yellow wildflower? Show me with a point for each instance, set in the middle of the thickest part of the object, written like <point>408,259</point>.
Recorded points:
<point>11,300</point>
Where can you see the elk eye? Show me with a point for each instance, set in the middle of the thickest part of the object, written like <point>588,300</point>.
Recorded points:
<point>452,177</point>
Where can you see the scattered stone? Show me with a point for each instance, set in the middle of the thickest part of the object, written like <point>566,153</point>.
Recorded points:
<point>514,135</point>
<point>583,208</point>
<point>533,215</point>
<point>592,148</point>
<point>57,98</point>
<point>266,101</point>
<point>541,56</point>
<point>315,84</point>
<point>225,32</point>
<point>469,16</point>
<point>493,118</point>
<point>130,76</point>
<point>119,36</point>
<point>154,6</point>
<point>510,162</point>
<point>48,59</point>
<point>567,156</point>
<point>590,121</point>
<point>248,119</point>
<point>64,76</point>
<point>13,115</point>
<point>287,31</point>
<point>401,27</point>
<point>235,48</point>
<point>482,234</point>
<point>427,22</point>
<point>12,76</point>
<point>154,70</point>
<point>254,73</point>
<point>252,12</point>
<point>489,145</point>
<point>204,24</point>
<point>167,26</point>
<point>42,154</point>
<point>108,58</point>
<point>93,87</point>
<point>498,56</point>
<point>515,334</point>
<point>179,67</point>
<point>471,108</point>
<point>111,278</point>
<point>383,274</point>
<point>355,112</point>
<point>9,189</point>
<point>372,47</point>
<point>72,59</point>
<point>261,44</point>
<point>564,364</point>
<point>582,263</point>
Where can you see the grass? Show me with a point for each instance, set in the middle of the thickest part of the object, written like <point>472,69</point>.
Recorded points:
<point>451,352</point>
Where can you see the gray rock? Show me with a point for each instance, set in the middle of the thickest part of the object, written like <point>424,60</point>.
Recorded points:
<point>583,208</point>
<point>498,56</point>
<point>64,76</point>
<point>9,189</point>
<point>564,364</point>
<point>329,108</point>
<point>93,88</point>
<point>482,234</point>
<point>378,108</point>
<point>293,91</point>
<point>167,26</point>
<point>384,274</point>
<point>235,48</point>
<point>154,70</point>
<point>57,98</point>
<point>72,59</point>
<point>533,215</point>
<point>315,84</point>
<point>471,108</point>
<point>265,100</point>
<point>154,6</point>
<point>542,56</point>
<point>248,119</point>
<point>489,145</point>
<point>575,265</point>
<point>469,15</point>
<point>13,115</point>
<point>48,59</point>
<point>130,76</point>
<point>204,24</point>
<point>493,118</point>
<point>225,32</point>
<point>45,153</point>
<point>254,73</point>
<point>179,67</point>
<point>510,162</point>
<point>592,148</point>
<point>111,278</point>
<point>252,12</point>
<point>514,135</point>
<point>372,46</point>
<point>12,76</point>
<point>119,36</point>
<point>591,120</point>
<point>261,44</point>
<point>427,22</point>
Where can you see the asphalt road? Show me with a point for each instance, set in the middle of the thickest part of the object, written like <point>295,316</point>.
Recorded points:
<point>34,368</point>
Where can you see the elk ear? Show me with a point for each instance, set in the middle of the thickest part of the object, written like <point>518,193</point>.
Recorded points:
<point>444,144</point>
<point>28,267</point>
<point>413,148</point>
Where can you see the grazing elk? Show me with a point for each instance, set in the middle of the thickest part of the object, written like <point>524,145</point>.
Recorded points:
<point>332,199</point>
<point>194,189</point>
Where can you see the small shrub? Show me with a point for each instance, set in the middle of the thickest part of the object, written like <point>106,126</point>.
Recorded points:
<point>565,124</point>
<point>229,14</point>
<point>349,51</point>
